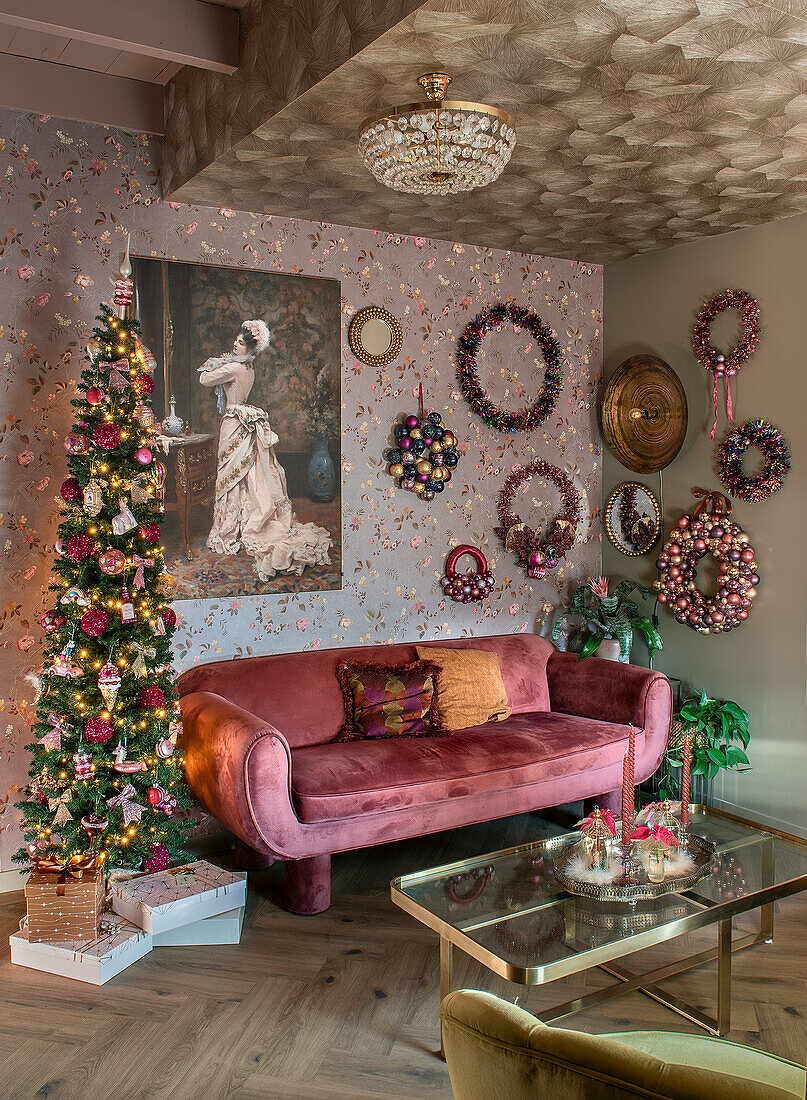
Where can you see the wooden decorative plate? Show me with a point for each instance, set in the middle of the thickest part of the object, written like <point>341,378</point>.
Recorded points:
<point>644,414</point>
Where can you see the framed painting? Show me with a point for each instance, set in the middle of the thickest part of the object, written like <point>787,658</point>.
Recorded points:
<point>248,403</point>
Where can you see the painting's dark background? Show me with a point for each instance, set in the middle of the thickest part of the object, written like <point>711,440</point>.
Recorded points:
<point>189,312</point>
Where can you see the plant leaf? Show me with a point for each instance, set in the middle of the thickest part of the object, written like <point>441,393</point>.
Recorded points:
<point>736,756</point>
<point>717,756</point>
<point>590,646</point>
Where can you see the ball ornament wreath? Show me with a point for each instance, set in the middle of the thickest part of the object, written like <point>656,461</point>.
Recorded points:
<point>708,530</point>
<point>726,364</point>
<point>424,455</point>
<point>468,371</point>
<point>472,586</point>
<point>767,438</point>
<point>538,554</point>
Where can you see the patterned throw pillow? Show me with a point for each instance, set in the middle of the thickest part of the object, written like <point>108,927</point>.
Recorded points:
<point>389,701</point>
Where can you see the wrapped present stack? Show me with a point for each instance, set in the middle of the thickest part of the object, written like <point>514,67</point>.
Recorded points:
<point>66,932</point>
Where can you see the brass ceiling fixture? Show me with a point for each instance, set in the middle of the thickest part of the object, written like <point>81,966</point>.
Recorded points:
<point>439,147</point>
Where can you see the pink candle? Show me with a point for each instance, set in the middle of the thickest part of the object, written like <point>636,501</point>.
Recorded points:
<point>628,778</point>
<point>685,782</point>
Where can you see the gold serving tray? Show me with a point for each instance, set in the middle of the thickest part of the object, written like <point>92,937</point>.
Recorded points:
<point>639,888</point>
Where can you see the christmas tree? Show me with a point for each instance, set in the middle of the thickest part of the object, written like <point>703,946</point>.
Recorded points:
<point>105,777</point>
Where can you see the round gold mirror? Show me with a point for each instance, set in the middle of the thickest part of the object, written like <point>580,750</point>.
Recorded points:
<point>633,518</point>
<point>375,336</point>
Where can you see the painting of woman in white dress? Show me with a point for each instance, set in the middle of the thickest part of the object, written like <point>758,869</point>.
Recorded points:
<point>252,511</point>
<point>248,403</point>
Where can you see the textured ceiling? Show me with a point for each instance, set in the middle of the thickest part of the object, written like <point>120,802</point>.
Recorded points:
<point>640,123</point>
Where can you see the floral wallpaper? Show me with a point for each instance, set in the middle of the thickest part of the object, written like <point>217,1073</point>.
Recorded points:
<point>70,193</point>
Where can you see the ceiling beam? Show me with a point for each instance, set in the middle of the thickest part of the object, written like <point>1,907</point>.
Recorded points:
<point>66,92</point>
<point>189,32</point>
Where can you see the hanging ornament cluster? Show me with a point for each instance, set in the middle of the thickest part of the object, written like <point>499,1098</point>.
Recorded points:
<point>768,439</point>
<point>162,800</point>
<point>468,370</point>
<point>708,530</point>
<point>424,454</point>
<point>537,554</point>
<point>722,364</point>
<point>472,586</point>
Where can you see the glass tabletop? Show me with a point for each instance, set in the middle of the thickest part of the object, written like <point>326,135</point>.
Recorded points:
<point>506,909</point>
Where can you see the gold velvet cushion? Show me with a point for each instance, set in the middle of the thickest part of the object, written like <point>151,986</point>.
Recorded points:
<point>470,690</point>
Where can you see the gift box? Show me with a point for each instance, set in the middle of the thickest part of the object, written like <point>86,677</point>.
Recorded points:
<point>178,896</point>
<point>95,960</point>
<point>211,931</point>
<point>64,901</point>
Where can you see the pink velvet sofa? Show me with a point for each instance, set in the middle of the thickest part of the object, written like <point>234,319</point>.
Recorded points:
<point>261,757</point>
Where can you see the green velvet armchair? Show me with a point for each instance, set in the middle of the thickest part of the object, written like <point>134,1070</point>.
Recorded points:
<point>496,1051</point>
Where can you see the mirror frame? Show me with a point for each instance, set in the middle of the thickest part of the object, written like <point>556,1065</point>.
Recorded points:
<point>609,526</point>
<point>374,313</point>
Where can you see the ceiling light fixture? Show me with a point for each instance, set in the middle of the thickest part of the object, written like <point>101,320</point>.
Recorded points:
<point>439,147</point>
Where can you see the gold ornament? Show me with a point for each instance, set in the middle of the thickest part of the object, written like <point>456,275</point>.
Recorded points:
<point>424,466</point>
<point>396,469</point>
<point>419,487</point>
<point>436,447</point>
<point>415,433</point>
<point>448,440</point>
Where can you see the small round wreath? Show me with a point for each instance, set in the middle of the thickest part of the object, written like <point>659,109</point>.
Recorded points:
<point>535,554</point>
<point>708,530</point>
<point>768,439</point>
<point>468,372</point>
<point>472,586</point>
<point>712,358</point>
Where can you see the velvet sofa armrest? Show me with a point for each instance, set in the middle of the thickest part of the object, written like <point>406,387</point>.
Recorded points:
<point>609,691</point>
<point>222,744</point>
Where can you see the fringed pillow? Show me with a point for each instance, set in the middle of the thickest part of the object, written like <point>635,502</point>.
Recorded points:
<point>389,700</point>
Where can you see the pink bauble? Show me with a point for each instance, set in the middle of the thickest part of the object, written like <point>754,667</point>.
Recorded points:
<point>77,444</point>
<point>70,490</point>
<point>143,455</point>
<point>98,730</point>
<point>156,795</point>
<point>151,696</point>
<point>112,562</point>
<point>169,617</point>
<point>94,623</point>
<point>106,436</point>
<point>412,422</point>
<point>157,860</point>
<point>95,395</point>
<point>51,621</point>
<point>143,384</point>
<point>150,533</point>
<point>80,547</point>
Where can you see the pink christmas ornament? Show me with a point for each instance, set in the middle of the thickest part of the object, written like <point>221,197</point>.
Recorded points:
<point>106,436</point>
<point>80,547</point>
<point>94,623</point>
<point>150,533</point>
<point>70,490</point>
<point>143,455</point>
<point>112,562</point>
<point>77,444</point>
<point>158,859</point>
<point>98,730</point>
<point>151,696</point>
<point>95,395</point>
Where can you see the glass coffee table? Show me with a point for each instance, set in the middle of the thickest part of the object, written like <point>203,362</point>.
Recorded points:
<point>506,911</point>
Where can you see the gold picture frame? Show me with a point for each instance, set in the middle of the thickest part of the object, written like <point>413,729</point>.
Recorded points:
<point>375,336</point>
<point>624,542</point>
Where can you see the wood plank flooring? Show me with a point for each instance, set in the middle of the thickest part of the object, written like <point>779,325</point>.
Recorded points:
<point>341,1006</point>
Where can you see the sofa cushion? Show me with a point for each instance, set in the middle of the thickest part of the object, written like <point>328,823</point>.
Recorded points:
<point>470,691</point>
<point>335,781</point>
<point>384,701</point>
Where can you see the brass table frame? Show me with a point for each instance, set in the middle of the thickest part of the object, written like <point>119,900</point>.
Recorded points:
<point>604,957</point>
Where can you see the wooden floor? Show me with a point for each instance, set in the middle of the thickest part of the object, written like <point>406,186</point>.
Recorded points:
<point>341,1006</point>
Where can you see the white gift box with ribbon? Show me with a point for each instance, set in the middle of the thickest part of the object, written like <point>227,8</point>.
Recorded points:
<point>178,896</point>
<point>118,945</point>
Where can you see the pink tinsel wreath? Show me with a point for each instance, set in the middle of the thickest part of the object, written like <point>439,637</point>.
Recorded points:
<point>716,361</point>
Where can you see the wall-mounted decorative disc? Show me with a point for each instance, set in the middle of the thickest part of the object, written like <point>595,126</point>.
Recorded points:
<point>375,336</point>
<point>633,518</point>
<point>644,414</point>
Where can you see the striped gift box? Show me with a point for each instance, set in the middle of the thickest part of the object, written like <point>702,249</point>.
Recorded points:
<point>62,908</point>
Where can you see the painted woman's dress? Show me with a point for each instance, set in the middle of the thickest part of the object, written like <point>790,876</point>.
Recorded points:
<point>252,509</point>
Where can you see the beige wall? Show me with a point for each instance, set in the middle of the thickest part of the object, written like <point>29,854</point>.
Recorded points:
<point>650,305</point>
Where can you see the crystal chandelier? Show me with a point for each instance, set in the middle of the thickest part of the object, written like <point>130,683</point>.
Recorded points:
<point>439,147</point>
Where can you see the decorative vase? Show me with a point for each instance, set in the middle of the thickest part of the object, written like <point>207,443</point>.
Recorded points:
<point>172,424</point>
<point>321,472</point>
<point>655,865</point>
<point>608,649</point>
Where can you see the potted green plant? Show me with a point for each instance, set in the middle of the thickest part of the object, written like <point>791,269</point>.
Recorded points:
<point>610,618</point>
<point>719,735</point>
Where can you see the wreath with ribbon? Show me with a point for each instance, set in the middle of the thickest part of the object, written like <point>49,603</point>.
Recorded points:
<point>716,361</point>
<point>708,530</point>
<point>468,372</point>
<point>535,554</point>
<point>767,438</point>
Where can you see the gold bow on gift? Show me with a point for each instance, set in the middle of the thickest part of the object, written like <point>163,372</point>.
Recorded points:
<point>76,867</point>
<point>59,804</point>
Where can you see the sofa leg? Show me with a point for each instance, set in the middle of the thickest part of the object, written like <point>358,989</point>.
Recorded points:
<point>247,859</point>
<point>308,885</point>
<point>611,800</point>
